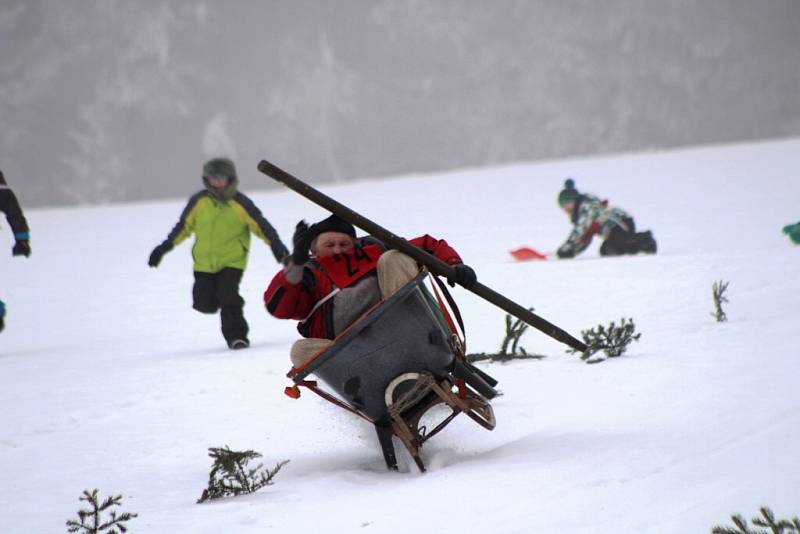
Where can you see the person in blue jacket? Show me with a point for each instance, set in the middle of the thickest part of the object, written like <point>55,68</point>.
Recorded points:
<point>9,205</point>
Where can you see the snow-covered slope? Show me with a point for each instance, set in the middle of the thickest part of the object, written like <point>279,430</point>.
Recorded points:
<point>109,380</point>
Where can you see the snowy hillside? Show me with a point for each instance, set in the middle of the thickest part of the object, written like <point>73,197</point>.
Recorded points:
<point>109,380</point>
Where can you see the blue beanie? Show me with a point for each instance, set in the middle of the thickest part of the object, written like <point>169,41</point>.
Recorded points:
<point>569,193</point>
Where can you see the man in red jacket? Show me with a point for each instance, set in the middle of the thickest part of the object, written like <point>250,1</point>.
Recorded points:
<point>345,277</point>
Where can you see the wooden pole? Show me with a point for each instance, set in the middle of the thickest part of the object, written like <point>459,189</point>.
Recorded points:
<point>434,264</point>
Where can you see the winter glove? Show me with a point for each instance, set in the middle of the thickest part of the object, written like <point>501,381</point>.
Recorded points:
<point>21,248</point>
<point>280,252</point>
<point>158,253</point>
<point>565,253</point>
<point>465,276</point>
<point>301,240</point>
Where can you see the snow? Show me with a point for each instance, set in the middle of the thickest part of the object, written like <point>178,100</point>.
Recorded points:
<point>109,380</point>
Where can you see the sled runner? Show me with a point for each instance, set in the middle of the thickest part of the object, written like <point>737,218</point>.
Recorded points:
<point>397,362</point>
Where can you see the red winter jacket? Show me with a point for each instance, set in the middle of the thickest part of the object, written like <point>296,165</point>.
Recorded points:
<point>295,301</point>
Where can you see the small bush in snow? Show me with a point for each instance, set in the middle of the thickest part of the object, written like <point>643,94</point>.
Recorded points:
<point>718,292</point>
<point>767,520</point>
<point>230,475</point>
<point>90,520</point>
<point>510,348</point>
<point>613,340</point>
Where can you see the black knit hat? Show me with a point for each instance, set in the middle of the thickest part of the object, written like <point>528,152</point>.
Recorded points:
<point>569,193</point>
<point>335,224</point>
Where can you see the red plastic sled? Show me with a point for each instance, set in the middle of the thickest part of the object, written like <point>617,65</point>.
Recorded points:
<point>527,253</point>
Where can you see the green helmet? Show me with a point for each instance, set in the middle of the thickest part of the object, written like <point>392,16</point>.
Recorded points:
<point>221,168</point>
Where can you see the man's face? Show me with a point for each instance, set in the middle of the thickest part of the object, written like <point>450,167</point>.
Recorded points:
<point>332,243</point>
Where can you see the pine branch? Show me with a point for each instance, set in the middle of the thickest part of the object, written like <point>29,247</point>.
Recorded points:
<point>767,519</point>
<point>613,340</point>
<point>741,527</point>
<point>718,292</point>
<point>514,331</point>
<point>94,514</point>
<point>230,475</point>
<point>507,338</point>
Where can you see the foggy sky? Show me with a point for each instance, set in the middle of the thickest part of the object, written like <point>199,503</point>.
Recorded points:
<point>111,100</point>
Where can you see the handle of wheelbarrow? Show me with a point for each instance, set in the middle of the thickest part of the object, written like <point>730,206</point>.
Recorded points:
<point>434,264</point>
<point>467,372</point>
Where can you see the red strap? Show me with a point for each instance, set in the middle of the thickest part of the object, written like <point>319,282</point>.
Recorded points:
<point>447,315</point>
<point>593,229</point>
<point>462,388</point>
<point>444,310</point>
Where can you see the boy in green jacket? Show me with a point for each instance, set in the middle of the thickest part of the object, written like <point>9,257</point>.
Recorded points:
<point>222,219</point>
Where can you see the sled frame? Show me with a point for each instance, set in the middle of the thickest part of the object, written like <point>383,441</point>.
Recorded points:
<point>405,415</point>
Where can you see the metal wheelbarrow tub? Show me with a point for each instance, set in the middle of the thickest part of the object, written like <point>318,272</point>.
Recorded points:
<point>404,334</point>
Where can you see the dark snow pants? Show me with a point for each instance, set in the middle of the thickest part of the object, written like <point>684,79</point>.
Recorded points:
<point>627,241</point>
<point>220,291</point>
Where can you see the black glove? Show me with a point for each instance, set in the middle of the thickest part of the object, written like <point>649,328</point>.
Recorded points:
<point>565,253</point>
<point>21,248</point>
<point>465,276</point>
<point>158,253</point>
<point>280,252</point>
<point>301,241</point>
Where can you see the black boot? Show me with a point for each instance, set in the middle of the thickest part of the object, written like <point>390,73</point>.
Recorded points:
<point>647,243</point>
<point>237,344</point>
